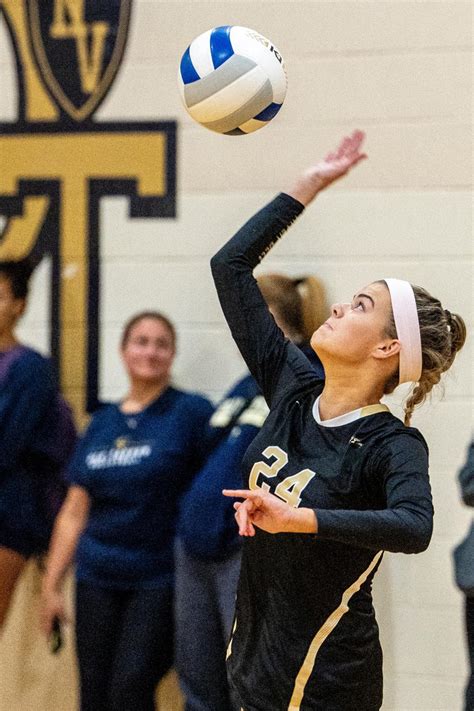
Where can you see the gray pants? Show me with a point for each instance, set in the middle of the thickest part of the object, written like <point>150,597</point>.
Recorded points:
<point>204,610</point>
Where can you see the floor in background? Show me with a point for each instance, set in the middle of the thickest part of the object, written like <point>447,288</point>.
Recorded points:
<point>32,679</point>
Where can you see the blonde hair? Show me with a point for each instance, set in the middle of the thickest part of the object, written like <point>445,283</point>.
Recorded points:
<point>300,301</point>
<point>442,335</point>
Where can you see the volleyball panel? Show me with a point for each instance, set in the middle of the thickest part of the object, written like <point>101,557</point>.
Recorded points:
<point>221,45</point>
<point>242,114</point>
<point>250,126</point>
<point>246,96</point>
<point>200,54</point>
<point>251,44</point>
<point>235,68</point>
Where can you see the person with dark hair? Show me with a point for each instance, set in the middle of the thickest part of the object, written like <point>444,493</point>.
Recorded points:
<point>127,475</point>
<point>28,398</point>
<point>208,547</point>
<point>334,479</point>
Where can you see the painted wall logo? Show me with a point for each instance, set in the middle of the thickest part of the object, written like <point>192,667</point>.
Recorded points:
<point>57,163</point>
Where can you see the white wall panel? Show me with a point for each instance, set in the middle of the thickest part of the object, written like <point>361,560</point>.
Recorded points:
<point>34,326</point>
<point>8,82</point>
<point>437,92</point>
<point>347,225</point>
<point>412,692</point>
<point>183,291</point>
<point>403,156</point>
<point>305,28</point>
<point>428,640</point>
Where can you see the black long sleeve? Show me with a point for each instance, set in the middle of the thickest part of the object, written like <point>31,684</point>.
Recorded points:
<point>270,357</point>
<point>406,524</point>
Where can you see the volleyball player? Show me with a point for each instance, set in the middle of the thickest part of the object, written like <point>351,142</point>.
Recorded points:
<point>334,479</point>
<point>208,546</point>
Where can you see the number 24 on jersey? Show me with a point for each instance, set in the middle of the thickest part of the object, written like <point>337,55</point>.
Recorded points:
<point>291,488</point>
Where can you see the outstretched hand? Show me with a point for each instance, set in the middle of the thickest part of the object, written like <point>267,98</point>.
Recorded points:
<point>334,166</point>
<point>266,511</point>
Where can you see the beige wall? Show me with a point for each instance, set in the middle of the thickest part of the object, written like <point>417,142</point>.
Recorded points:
<point>399,69</point>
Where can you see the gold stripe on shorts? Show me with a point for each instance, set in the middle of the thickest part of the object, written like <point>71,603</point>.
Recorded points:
<point>323,633</point>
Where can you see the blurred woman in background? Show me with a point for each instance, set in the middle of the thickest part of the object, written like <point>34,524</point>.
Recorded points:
<point>30,417</point>
<point>118,521</point>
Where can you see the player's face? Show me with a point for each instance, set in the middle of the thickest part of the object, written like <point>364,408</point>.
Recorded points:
<point>149,351</point>
<point>11,308</point>
<point>356,329</point>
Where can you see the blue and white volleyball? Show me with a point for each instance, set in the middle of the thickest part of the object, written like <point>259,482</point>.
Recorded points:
<point>232,80</point>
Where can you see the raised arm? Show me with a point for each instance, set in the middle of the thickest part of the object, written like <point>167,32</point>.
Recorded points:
<point>262,344</point>
<point>271,358</point>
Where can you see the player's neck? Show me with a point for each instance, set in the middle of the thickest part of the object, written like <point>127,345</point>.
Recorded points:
<point>347,391</point>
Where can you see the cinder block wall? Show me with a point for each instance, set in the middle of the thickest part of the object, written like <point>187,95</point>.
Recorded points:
<point>399,70</point>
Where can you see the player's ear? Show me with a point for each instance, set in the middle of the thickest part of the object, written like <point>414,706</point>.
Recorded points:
<point>387,348</point>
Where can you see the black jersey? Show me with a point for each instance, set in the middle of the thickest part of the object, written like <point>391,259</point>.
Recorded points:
<point>305,635</point>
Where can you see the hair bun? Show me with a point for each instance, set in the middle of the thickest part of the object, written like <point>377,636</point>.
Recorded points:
<point>457,328</point>
<point>449,316</point>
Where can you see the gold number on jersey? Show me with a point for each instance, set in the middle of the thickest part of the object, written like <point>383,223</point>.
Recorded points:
<point>291,488</point>
<point>267,470</point>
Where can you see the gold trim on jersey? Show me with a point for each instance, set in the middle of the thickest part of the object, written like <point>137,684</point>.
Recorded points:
<point>229,646</point>
<point>323,633</point>
<point>373,409</point>
<point>347,417</point>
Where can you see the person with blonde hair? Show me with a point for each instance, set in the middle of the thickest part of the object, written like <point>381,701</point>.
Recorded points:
<point>299,303</point>
<point>208,548</point>
<point>333,478</point>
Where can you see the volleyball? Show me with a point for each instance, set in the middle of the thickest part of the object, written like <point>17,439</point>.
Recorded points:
<point>232,80</point>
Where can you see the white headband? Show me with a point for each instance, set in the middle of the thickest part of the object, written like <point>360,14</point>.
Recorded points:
<point>405,316</point>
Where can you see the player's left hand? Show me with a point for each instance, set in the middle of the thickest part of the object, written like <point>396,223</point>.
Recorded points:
<point>335,165</point>
<point>338,163</point>
<point>261,509</point>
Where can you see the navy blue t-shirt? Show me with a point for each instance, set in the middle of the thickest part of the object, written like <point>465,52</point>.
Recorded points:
<point>27,389</point>
<point>135,468</point>
<point>206,523</point>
